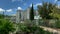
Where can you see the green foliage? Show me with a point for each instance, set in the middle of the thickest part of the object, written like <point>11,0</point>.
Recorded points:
<point>56,15</point>
<point>6,27</point>
<point>31,29</point>
<point>57,24</point>
<point>45,9</point>
<point>32,13</point>
<point>1,16</point>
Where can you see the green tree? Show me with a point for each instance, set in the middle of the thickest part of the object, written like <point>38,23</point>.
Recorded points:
<point>6,26</point>
<point>32,13</point>
<point>45,10</point>
<point>56,13</point>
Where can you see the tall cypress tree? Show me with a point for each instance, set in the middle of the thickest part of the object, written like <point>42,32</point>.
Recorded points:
<point>32,13</point>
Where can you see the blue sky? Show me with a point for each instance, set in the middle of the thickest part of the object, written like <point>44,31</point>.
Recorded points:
<point>10,6</point>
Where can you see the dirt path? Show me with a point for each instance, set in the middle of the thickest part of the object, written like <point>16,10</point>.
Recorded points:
<point>51,29</point>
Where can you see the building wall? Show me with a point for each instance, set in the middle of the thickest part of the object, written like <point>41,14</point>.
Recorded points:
<point>18,16</point>
<point>25,15</point>
<point>28,13</point>
<point>13,19</point>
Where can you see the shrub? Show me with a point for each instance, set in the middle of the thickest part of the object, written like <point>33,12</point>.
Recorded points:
<point>31,29</point>
<point>6,26</point>
<point>57,24</point>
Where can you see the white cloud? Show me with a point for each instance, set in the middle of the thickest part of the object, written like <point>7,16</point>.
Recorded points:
<point>55,0</point>
<point>19,8</point>
<point>9,10</point>
<point>30,4</point>
<point>38,4</point>
<point>2,10</point>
